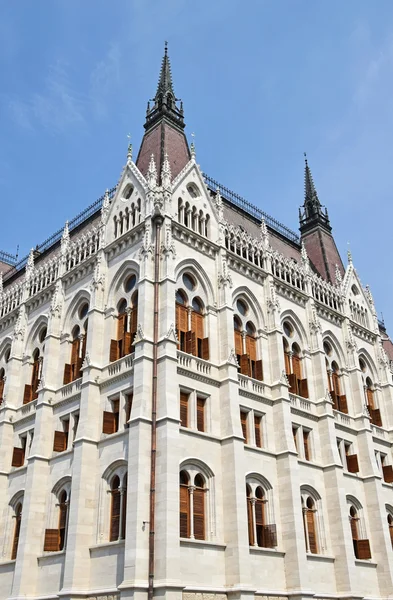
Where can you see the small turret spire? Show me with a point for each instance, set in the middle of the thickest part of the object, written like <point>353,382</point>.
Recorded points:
<point>312,211</point>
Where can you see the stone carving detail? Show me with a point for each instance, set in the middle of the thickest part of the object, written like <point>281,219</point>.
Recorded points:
<point>56,302</point>
<point>232,358</point>
<point>339,279</point>
<point>20,325</point>
<point>168,246</point>
<point>224,278</point>
<point>172,334</point>
<point>284,378</point>
<point>139,336</point>
<point>315,323</point>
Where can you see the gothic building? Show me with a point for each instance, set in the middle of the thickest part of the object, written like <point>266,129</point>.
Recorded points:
<point>196,404</point>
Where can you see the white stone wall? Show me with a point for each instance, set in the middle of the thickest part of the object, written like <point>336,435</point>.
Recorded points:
<point>223,565</point>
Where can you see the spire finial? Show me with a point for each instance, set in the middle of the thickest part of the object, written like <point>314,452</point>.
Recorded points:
<point>152,173</point>
<point>349,254</point>
<point>192,147</point>
<point>129,150</point>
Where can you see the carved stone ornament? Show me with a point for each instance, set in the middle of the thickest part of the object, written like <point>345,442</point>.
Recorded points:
<point>98,277</point>
<point>152,174</point>
<point>232,358</point>
<point>19,329</point>
<point>224,278</point>
<point>1,283</point>
<point>105,208</point>
<point>56,302</point>
<point>168,246</point>
<point>273,303</point>
<point>339,279</point>
<point>86,360</point>
<point>171,334</point>
<point>382,356</point>
<point>315,323</point>
<point>139,336</point>
<point>284,378</point>
<point>41,383</point>
<point>328,397</point>
<point>350,341</point>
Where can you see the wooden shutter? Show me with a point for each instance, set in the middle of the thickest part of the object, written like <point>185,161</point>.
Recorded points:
<point>354,527</point>
<point>197,324</point>
<point>292,383</point>
<point>312,538</point>
<point>75,351</point>
<point>79,367</point>
<point>250,522</point>
<point>121,325</point>
<point>18,457</point>
<point>62,515</point>
<point>259,521</point>
<point>342,404</point>
<point>27,394</point>
<point>134,320</point>
<point>199,514</point>
<point>16,537</point>
<point>376,417</point>
<point>35,379</point>
<point>306,435</point>
<point>191,343</point>
<point>296,366</point>
<point>127,348</point>
<point>201,414</point>
<point>109,422</point>
<point>243,421</point>
<point>287,361</point>
<point>352,463</point>
<point>238,343</point>
<point>205,348</point>
<point>245,365</point>
<point>181,317</point>
<point>258,436</point>
<point>184,512</point>
<point>67,374</point>
<point>303,388</point>
<point>334,399</point>
<point>370,397</point>
<point>52,540</point>
<point>388,473</point>
<point>1,388</point>
<point>336,383</point>
<point>259,370</point>
<point>183,409</point>
<point>269,537</point>
<point>60,441</point>
<point>251,347</point>
<point>115,516</point>
<point>114,351</point>
<point>363,549</point>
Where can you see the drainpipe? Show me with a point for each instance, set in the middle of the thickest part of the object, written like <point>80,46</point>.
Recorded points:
<point>157,219</point>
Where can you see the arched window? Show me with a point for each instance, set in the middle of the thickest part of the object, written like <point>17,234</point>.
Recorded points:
<point>293,361</point>
<point>314,535</point>
<point>370,393</point>
<point>361,545</point>
<point>72,370</point>
<point>390,525</point>
<point>56,538</point>
<point>190,319</point>
<point>127,321</point>
<point>334,378</point>
<point>192,505</point>
<point>31,392</point>
<point>118,509</point>
<point>246,342</point>
<point>262,530</point>
<point>15,541</point>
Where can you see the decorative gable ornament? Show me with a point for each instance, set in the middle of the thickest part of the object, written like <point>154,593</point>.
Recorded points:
<point>232,360</point>
<point>224,278</point>
<point>166,176</point>
<point>171,334</point>
<point>56,301</point>
<point>152,174</point>
<point>20,324</point>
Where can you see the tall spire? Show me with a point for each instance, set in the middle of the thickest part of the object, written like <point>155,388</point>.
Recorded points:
<point>312,211</point>
<point>316,231</point>
<point>164,128</point>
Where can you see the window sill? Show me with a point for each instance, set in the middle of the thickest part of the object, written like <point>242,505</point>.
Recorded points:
<point>104,545</point>
<point>366,563</point>
<point>259,450</point>
<point>197,433</point>
<point>48,555</point>
<point>110,436</point>
<point>201,543</point>
<point>5,563</point>
<point>352,475</point>
<point>14,469</point>
<point>320,557</point>
<point>266,551</point>
<point>62,453</point>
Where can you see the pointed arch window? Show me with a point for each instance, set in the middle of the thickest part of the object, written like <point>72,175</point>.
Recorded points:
<point>375,413</point>
<point>190,320</point>
<point>390,525</point>
<point>361,545</point>
<point>2,383</point>
<point>127,322</point>
<point>293,362</point>
<point>30,392</point>
<point>18,520</point>
<point>245,338</point>
<point>118,509</point>
<point>262,531</point>
<point>192,506</point>
<point>334,379</point>
<point>309,523</point>
<point>56,539</point>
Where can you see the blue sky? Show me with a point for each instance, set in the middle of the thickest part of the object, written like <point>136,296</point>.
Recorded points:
<point>262,81</point>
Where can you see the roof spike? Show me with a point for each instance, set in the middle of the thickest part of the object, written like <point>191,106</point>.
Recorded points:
<point>165,84</point>
<point>152,173</point>
<point>66,234</point>
<point>129,150</point>
<point>192,146</point>
<point>310,193</point>
<point>349,254</point>
<point>1,282</point>
<point>166,176</point>
<point>339,279</point>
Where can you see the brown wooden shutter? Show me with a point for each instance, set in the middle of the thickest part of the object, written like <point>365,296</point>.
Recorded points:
<point>269,538</point>
<point>287,361</point>
<point>205,348</point>
<point>127,348</point>
<point>115,516</point>
<point>363,549</point>
<point>134,321</point>
<point>181,317</point>
<point>109,422</point>
<point>391,534</point>
<point>245,365</point>
<point>258,436</point>
<point>60,441</point>
<point>35,379</point>
<point>354,527</point>
<point>15,541</point>
<point>312,537</point>
<point>18,457</point>
<point>184,512</point>
<point>303,388</point>
<point>121,325</point>
<point>1,388</point>
<point>259,521</point>
<point>114,351</point>
<point>191,343</point>
<point>336,383</point>
<point>388,473</point>
<point>27,394</point>
<point>370,397</point>
<point>342,404</point>
<point>250,522</point>
<point>67,374</point>
<point>197,324</point>
<point>238,343</point>
<point>376,417</point>
<point>184,409</point>
<point>259,370</point>
<point>52,540</point>
<point>306,435</point>
<point>334,400</point>
<point>251,347</point>
<point>296,366</point>
<point>199,514</point>
<point>352,463</point>
<point>124,511</point>
<point>243,421</point>
<point>201,402</point>
<point>292,383</point>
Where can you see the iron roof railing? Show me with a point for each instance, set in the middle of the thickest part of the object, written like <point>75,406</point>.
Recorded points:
<point>56,237</point>
<point>251,209</point>
<point>10,259</point>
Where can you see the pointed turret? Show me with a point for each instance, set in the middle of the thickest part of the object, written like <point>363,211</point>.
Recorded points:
<point>164,127</point>
<point>316,231</point>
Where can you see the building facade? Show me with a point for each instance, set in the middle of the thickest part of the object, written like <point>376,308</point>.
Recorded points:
<point>196,404</point>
